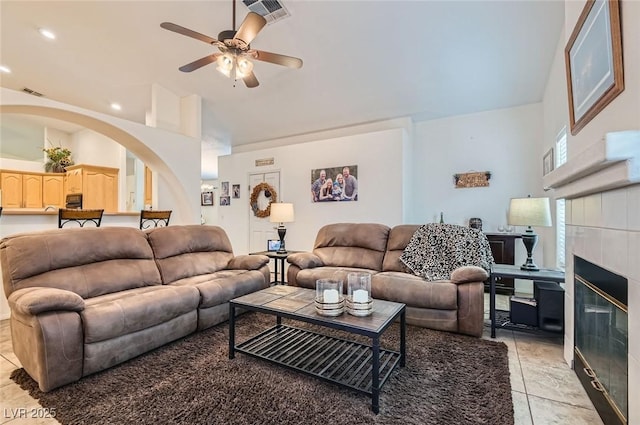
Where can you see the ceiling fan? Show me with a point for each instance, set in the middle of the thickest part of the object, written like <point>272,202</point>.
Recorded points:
<point>234,58</point>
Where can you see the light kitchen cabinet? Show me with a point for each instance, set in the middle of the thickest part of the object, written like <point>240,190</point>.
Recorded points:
<point>31,191</point>
<point>98,186</point>
<point>11,185</point>
<point>22,189</point>
<point>53,190</point>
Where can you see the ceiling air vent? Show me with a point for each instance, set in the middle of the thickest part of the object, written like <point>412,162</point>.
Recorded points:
<point>33,92</point>
<point>272,10</point>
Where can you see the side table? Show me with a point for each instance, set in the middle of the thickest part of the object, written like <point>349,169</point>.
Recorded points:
<point>510,271</point>
<point>278,258</point>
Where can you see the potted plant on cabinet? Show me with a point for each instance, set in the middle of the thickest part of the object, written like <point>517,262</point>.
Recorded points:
<point>58,158</point>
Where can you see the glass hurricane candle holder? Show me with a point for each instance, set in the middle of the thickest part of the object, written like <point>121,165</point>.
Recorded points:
<point>329,299</point>
<point>359,301</point>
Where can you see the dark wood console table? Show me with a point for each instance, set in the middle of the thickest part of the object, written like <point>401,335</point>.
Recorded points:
<point>503,248</point>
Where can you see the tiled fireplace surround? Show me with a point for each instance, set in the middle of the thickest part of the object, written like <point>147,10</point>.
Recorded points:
<point>602,213</point>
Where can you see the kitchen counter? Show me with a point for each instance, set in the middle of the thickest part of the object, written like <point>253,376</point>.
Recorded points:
<point>41,211</point>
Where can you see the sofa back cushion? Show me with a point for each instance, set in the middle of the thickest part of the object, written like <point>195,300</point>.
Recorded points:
<point>192,250</point>
<point>87,261</point>
<point>359,245</point>
<point>399,237</point>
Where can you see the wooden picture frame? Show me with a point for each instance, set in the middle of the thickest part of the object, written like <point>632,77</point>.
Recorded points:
<point>548,163</point>
<point>593,60</point>
<point>206,198</point>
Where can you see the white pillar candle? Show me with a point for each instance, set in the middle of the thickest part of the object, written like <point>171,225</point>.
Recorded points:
<point>360,296</point>
<point>330,296</point>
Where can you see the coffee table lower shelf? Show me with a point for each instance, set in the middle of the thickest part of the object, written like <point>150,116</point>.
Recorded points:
<point>336,360</point>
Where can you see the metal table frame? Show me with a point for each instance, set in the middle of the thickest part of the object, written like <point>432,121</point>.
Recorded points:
<point>362,367</point>
<point>507,270</point>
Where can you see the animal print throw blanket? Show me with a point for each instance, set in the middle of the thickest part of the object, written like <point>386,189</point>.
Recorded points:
<point>435,250</point>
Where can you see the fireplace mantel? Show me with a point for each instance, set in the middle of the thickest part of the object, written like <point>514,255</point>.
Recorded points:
<point>612,162</point>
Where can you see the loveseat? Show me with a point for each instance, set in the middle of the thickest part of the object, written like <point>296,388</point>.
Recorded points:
<point>453,304</point>
<point>83,300</point>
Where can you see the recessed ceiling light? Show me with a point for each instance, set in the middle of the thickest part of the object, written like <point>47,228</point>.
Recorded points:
<point>5,69</point>
<point>46,33</point>
<point>116,106</point>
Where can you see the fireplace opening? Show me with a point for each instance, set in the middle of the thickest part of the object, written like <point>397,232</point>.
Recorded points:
<point>601,339</point>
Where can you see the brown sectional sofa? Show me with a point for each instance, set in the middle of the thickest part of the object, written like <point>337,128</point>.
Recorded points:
<point>455,305</point>
<point>83,300</point>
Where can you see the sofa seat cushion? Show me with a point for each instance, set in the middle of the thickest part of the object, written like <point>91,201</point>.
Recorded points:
<point>220,287</point>
<point>414,291</point>
<point>122,313</point>
<point>307,278</point>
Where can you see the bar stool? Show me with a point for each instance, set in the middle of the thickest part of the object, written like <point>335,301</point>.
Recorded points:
<point>149,218</point>
<point>81,217</point>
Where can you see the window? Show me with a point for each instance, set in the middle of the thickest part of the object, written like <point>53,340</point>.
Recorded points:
<point>561,147</point>
<point>560,158</point>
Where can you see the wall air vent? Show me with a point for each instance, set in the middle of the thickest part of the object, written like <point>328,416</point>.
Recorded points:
<point>33,92</point>
<point>272,10</point>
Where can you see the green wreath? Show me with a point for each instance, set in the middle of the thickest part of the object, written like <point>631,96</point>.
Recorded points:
<point>269,193</point>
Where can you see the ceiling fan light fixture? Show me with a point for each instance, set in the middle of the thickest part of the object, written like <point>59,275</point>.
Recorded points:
<point>225,64</point>
<point>244,67</point>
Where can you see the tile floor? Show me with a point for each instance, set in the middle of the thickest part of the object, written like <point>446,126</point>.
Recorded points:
<point>544,389</point>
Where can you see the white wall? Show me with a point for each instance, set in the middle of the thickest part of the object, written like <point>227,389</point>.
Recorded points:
<point>378,155</point>
<point>555,118</point>
<point>504,142</point>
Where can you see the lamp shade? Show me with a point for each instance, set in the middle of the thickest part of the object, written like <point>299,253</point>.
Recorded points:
<point>529,212</point>
<point>281,212</point>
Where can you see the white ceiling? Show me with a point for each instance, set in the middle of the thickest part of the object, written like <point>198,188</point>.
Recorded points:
<point>363,60</point>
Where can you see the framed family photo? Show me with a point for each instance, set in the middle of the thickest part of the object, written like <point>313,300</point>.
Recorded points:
<point>593,59</point>
<point>334,184</point>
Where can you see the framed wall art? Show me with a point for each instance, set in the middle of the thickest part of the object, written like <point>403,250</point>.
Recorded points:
<point>472,179</point>
<point>334,184</point>
<point>593,60</point>
<point>224,189</point>
<point>206,198</point>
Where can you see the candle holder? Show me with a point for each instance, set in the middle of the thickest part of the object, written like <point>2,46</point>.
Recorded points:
<point>359,301</point>
<point>329,299</point>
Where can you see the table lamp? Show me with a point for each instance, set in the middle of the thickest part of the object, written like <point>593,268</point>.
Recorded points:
<point>529,212</point>
<point>281,212</point>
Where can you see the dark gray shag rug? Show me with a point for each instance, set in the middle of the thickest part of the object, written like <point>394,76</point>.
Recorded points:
<point>449,379</point>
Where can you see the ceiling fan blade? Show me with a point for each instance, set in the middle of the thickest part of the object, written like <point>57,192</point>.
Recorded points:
<point>278,59</point>
<point>250,27</point>
<point>199,63</point>
<point>189,33</point>
<point>251,81</point>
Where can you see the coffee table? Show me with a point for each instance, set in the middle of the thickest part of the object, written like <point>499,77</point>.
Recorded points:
<point>362,367</point>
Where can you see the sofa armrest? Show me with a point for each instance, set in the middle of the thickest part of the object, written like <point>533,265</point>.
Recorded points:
<point>468,274</point>
<point>248,262</point>
<point>36,300</point>
<point>305,260</point>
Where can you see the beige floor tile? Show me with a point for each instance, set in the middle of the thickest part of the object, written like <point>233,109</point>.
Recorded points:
<point>540,352</point>
<point>6,367</point>
<point>554,382</point>
<point>521,413</point>
<point>550,412</point>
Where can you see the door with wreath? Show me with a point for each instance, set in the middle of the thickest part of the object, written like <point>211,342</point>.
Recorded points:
<point>264,188</point>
